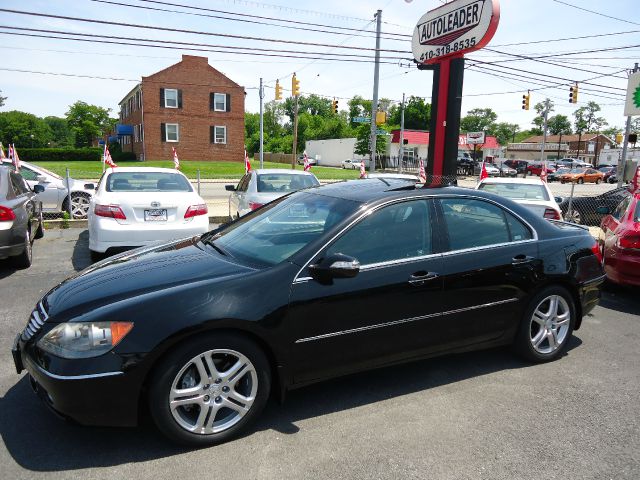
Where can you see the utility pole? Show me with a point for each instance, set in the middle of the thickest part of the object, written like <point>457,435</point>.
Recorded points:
<point>261,94</point>
<point>401,148</point>
<point>374,104</point>
<point>544,128</point>
<point>559,142</point>
<point>295,91</point>
<point>625,143</point>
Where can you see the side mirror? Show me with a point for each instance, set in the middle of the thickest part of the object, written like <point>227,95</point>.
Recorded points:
<point>38,188</point>
<point>603,210</point>
<point>90,186</point>
<point>230,188</point>
<point>334,266</point>
<point>42,179</point>
<point>558,200</point>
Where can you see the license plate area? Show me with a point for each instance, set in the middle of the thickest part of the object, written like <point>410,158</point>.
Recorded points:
<point>155,215</point>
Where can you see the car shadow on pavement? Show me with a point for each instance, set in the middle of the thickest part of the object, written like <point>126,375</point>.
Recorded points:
<point>39,441</point>
<point>81,257</point>
<point>6,270</point>
<point>621,299</point>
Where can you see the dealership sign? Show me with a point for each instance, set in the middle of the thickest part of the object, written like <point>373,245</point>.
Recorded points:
<point>632,103</point>
<point>455,28</point>
<point>475,138</point>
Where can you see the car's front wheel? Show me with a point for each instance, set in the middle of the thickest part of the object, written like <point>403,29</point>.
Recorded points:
<point>80,203</point>
<point>547,325</point>
<point>210,389</point>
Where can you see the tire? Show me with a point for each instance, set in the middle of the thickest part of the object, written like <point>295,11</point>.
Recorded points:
<point>79,205</point>
<point>575,217</point>
<point>562,182</point>
<point>598,181</point>
<point>547,325</point>
<point>237,400</point>
<point>40,231</point>
<point>25,259</point>
<point>580,181</point>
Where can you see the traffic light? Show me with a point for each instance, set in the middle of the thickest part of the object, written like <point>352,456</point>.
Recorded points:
<point>381,118</point>
<point>295,86</point>
<point>633,138</point>
<point>525,100</point>
<point>573,94</point>
<point>278,90</point>
<point>334,106</point>
<point>619,137</point>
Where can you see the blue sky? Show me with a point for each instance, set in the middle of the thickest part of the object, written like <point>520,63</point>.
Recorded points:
<point>521,21</point>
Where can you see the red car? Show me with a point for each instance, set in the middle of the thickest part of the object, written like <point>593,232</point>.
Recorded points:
<point>621,244</point>
<point>536,169</point>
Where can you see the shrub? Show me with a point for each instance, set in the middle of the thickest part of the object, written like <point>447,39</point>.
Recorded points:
<point>60,154</point>
<point>123,156</point>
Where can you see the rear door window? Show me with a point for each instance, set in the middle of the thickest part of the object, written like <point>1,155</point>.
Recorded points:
<point>19,185</point>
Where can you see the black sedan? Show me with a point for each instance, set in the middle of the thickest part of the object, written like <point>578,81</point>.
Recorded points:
<point>20,218</point>
<point>321,283</point>
<point>584,210</point>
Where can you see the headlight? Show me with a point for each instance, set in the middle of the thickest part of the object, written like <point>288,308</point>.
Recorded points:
<point>84,340</point>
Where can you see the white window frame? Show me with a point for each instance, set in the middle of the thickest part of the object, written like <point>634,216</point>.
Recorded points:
<point>224,102</point>
<point>215,134</point>
<point>166,132</point>
<point>166,97</point>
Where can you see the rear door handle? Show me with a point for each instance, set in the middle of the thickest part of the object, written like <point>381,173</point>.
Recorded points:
<point>419,278</point>
<point>521,260</point>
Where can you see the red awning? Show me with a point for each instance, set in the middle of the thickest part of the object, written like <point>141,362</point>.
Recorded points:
<point>418,137</point>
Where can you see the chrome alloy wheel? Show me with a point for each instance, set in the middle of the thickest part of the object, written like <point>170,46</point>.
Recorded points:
<point>213,391</point>
<point>550,324</point>
<point>79,206</point>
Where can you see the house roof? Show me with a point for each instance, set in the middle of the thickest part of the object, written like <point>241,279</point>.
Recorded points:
<point>421,137</point>
<point>586,137</point>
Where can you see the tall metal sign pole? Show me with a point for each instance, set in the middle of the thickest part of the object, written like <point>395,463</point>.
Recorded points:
<point>631,107</point>
<point>261,94</point>
<point>544,129</point>
<point>374,104</point>
<point>440,39</point>
<point>401,148</point>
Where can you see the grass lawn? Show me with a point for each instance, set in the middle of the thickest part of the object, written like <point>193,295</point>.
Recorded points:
<point>93,170</point>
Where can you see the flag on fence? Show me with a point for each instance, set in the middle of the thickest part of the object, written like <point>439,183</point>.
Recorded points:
<point>636,180</point>
<point>483,172</point>
<point>2,157</point>
<point>247,164</point>
<point>363,172</point>
<point>422,175</point>
<point>106,158</point>
<point>543,173</point>
<point>307,165</point>
<point>16,158</point>
<point>176,161</point>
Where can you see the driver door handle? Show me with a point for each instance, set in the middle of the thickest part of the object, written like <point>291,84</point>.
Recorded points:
<point>522,260</point>
<point>419,278</point>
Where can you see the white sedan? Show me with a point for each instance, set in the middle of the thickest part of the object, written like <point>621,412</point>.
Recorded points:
<point>136,206</point>
<point>532,193</point>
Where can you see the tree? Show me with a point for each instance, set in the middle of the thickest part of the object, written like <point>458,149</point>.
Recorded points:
<point>359,107</point>
<point>505,132</point>
<point>88,122</point>
<point>478,119</point>
<point>61,134</point>
<point>611,132</point>
<point>559,125</point>
<point>586,119</point>
<point>362,144</point>
<point>24,129</point>
<point>538,120</point>
<point>312,104</point>
<point>2,99</point>
<point>417,114</point>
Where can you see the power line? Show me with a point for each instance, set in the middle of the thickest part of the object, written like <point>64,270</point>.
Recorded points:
<point>195,32</point>
<point>551,40</point>
<point>245,20</point>
<point>596,13</point>
<point>187,46</point>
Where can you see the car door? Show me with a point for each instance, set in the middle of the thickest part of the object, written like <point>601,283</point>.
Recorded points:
<point>389,311</point>
<point>25,206</point>
<point>611,222</point>
<point>50,198</point>
<point>235,197</point>
<point>490,263</point>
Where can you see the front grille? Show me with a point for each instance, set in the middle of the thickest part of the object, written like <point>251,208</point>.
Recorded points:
<point>36,321</point>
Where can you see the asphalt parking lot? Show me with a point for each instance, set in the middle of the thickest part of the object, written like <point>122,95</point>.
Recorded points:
<point>482,415</point>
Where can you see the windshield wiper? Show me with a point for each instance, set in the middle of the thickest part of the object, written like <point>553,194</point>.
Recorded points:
<point>208,239</point>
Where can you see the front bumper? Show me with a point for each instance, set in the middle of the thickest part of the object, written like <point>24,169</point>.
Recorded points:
<point>108,398</point>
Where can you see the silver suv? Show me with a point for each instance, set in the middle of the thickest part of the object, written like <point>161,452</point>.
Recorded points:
<point>55,197</point>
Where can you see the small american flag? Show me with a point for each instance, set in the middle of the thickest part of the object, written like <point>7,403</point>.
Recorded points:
<point>307,165</point>
<point>422,175</point>
<point>176,161</point>
<point>543,173</point>
<point>247,164</point>
<point>2,156</point>
<point>483,172</point>
<point>16,158</point>
<point>107,157</point>
<point>363,171</point>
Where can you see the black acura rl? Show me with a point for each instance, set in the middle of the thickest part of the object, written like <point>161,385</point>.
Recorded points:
<point>320,283</point>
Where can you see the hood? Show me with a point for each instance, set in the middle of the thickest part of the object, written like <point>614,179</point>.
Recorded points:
<point>77,185</point>
<point>138,272</point>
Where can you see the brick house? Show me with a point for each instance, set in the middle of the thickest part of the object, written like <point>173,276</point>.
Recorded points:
<point>587,146</point>
<point>190,106</point>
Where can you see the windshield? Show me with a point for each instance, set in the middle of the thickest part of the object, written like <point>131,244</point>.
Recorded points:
<point>285,182</point>
<point>578,170</point>
<point>282,228</point>
<point>147,182</point>
<point>563,170</point>
<point>517,191</point>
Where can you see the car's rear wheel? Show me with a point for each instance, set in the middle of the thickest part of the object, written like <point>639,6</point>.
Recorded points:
<point>25,259</point>
<point>581,180</point>
<point>573,216</point>
<point>210,389</point>
<point>598,181</point>
<point>546,325</point>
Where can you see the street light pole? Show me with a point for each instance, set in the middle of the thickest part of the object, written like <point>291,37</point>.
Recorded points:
<point>374,104</point>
